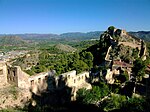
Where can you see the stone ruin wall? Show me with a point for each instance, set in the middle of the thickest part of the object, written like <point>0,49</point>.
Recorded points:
<point>22,78</point>
<point>3,73</point>
<point>123,32</point>
<point>12,76</point>
<point>17,77</point>
<point>43,81</point>
<point>110,75</point>
<point>107,54</point>
<point>38,82</point>
<point>70,79</point>
<point>76,81</point>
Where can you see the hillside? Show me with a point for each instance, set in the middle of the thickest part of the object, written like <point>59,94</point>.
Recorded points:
<point>81,36</point>
<point>117,44</point>
<point>145,35</point>
<point>65,48</point>
<point>12,41</point>
<point>37,36</point>
<point>121,46</point>
<point>64,36</point>
<point>71,36</point>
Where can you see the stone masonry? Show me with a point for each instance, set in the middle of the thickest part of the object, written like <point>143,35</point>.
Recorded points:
<point>43,81</point>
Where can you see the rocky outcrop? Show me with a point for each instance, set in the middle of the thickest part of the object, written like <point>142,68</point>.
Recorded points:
<point>12,97</point>
<point>119,50</point>
<point>123,46</point>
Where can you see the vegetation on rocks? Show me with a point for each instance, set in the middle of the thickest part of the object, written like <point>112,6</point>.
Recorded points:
<point>90,56</point>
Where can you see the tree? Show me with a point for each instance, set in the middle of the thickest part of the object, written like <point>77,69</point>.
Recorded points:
<point>87,57</point>
<point>139,70</point>
<point>94,95</point>
<point>135,105</point>
<point>79,66</point>
<point>114,102</point>
<point>38,69</point>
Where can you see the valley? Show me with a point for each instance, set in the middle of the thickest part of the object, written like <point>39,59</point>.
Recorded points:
<point>62,74</point>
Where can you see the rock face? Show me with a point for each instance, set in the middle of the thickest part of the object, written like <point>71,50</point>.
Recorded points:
<point>12,41</point>
<point>117,44</point>
<point>11,96</point>
<point>118,50</point>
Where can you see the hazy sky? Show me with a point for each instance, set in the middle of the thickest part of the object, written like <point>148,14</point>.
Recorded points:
<point>59,16</point>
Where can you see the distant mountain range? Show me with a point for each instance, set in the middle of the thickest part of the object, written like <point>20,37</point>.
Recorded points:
<point>81,36</point>
<point>78,36</point>
<point>145,35</point>
<point>64,36</point>
<point>12,41</point>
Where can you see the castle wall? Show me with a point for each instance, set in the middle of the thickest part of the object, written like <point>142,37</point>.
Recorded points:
<point>12,76</point>
<point>67,78</point>
<point>107,54</point>
<point>69,74</point>
<point>22,78</point>
<point>123,32</point>
<point>73,80</point>
<point>38,82</point>
<point>109,76</point>
<point>142,52</point>
<point>3,73</point>
<point>77,82</point>
<point>43,81</point>
<point>116,72</point>
<point>82,78</point>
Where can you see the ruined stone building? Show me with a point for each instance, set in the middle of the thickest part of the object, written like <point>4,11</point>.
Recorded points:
<point>3,72</point>
<point>43,81</point>
<point>116,68</point>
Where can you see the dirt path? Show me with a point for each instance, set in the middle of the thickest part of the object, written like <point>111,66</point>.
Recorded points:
<point>130,44</point>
